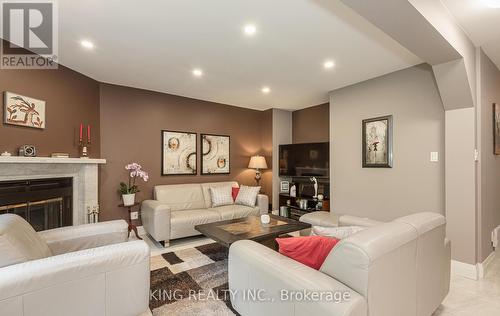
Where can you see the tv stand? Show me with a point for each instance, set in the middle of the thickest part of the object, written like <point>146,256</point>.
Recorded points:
<point>295,212</point>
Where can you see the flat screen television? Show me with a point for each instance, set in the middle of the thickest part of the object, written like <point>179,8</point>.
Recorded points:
<point>305,160</point>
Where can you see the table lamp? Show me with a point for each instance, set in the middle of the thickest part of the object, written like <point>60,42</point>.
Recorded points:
<point>258,163</point>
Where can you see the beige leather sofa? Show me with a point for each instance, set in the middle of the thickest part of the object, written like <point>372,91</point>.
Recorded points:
<point>77,271</point>
<point>392,269</point>
<point>176,209</point>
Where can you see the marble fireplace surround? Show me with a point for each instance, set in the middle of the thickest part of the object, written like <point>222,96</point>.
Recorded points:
<point>84,173</point>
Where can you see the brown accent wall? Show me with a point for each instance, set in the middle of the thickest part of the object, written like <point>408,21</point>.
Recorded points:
<point>132,120</point>
<point>311,124</point>
<point>70,98</point>
<point>267,151</point>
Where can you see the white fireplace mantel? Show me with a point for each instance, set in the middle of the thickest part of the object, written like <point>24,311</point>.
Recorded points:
<point>18,159</point>
<point>83,171</point>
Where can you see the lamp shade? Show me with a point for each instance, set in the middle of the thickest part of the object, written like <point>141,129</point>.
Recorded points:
<point>257,162</point>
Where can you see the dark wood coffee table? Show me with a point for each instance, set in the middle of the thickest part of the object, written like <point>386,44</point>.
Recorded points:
<point>227,232</point>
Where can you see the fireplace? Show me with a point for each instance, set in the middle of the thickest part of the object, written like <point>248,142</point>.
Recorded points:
<point>44,203</point>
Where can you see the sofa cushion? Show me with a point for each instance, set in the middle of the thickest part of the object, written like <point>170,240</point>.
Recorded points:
<point>182,222</point>
<point>221,195</point>
<point>235,211</point>
<point>235,192</point>
<point>205,187</point>
<point>309,250</point>
<point>180,196</point>
<point>247,195</point>
<point>19,242</point>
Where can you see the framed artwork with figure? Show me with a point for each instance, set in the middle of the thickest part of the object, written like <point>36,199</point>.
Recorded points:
<point>178,155</point>
<point>215,154</point>
<point>23,111</point>
<point>377,142</point>
<point>496,129</point>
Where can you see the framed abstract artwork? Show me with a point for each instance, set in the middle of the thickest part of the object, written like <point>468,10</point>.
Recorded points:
<point>377,142</point>
<point>178,155</point>
<point>215,154</point>
<point>496,129</point>
<point>24,111</point>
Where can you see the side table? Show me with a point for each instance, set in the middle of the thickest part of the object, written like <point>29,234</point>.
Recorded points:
<point>130,225</point>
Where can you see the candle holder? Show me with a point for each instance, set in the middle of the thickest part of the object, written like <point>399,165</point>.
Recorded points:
<point>84,149</point>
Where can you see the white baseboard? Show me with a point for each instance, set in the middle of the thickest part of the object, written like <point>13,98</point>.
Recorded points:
<point>472,271</point>
<point>485,265</point>
<point>466,270</point>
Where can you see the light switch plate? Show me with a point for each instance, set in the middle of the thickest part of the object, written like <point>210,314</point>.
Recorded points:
<point>434,156</point>
<point>134,215</point>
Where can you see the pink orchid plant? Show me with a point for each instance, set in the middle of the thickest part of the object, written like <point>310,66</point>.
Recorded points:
<point>136,171</point>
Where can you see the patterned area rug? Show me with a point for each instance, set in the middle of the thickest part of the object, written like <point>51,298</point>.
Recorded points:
<point>191,282</point>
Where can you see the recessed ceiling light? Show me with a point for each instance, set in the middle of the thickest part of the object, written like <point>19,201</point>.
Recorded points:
<point>250,29</point>
<point>265,90</point>
<point>87,44</point>
<point>492,3</point>
<point>197,72</point>
<point>328,64</point>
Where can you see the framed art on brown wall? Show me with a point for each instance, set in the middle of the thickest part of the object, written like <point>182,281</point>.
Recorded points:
<point>377,142</point>
<point>24,111</point>
<point>496,129</point>
<point>178,155</point>
<point>215,154</point>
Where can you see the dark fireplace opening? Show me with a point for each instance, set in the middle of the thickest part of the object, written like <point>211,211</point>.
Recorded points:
<point>44,203</point>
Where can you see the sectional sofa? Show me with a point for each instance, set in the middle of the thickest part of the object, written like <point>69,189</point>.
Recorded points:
<point>390,269</point>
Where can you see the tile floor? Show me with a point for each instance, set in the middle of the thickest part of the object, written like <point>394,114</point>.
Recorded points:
<point>474,298</point>
<point>466,298</point>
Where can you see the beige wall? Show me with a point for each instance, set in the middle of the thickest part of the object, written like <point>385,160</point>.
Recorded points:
<point>461,184</point>
<point>489,198</point>
<point>414,183</point>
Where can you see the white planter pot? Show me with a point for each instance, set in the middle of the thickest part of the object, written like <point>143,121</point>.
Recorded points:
<point>128,199</point>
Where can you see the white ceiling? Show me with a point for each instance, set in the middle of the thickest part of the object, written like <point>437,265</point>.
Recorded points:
<point>156,44</point>
<point>480,22</point>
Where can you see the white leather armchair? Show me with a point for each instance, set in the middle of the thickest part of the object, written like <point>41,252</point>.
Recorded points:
<point>81,270</point>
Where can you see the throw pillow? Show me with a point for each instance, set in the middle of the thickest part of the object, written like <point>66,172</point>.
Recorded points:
<point>309,250</point>
<point>221,195</point>
<point>247,195</point>
<point>235,193</point>
<point>336,232</point>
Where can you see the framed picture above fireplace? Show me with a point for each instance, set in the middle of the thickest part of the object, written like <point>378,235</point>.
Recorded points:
<point>24,111</point>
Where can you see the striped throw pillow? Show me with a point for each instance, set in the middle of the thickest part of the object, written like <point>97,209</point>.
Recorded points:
<point>221,195</point>
<point>247,196</point>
